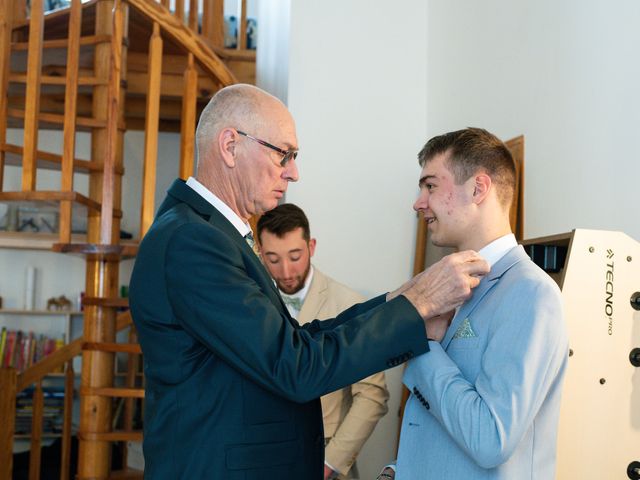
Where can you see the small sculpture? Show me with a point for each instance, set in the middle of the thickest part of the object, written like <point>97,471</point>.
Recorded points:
<point>60,303</point>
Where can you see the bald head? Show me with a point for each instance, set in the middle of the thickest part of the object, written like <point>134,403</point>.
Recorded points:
<point>240,106</point>
<point>243,136</point>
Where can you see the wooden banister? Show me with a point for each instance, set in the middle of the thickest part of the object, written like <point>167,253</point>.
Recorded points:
<point>39,370</point>
<point>58,358</point>
<point>189,40</point>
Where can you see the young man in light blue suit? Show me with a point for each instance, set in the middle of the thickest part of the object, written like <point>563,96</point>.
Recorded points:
<point>485,401</point>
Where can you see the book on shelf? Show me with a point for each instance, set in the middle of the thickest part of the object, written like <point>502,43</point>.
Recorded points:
<point>21,350</point>
<point>52,410</point>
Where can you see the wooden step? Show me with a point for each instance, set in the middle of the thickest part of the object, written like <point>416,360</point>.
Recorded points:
<point>62,43</point>
<point>106,302</point>
<point>52,161</point>
<point>115,436</point>
<point>59,119</point>
<point>57,80</point>
<point>127,474</point>
<point>113,347</point>
<point>95,251</point>
<point>55,196</point>
<point>112,392</point>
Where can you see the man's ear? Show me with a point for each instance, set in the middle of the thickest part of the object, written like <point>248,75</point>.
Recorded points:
<point>481,187</point>
<point>312,247</point>
<point>227,143</point>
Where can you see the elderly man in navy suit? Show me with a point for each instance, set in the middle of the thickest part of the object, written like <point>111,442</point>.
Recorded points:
<point>231,380</point>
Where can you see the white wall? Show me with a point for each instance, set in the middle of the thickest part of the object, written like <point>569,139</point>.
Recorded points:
<point>370,82</point>
<point>563,74</point>
<point>357,75</point>
<point>272,59</point>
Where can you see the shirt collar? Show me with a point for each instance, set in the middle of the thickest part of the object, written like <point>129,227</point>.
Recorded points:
<point>242,227</point>
<point>497,249</point>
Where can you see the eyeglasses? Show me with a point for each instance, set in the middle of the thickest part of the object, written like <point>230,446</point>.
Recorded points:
<point>287,155</point>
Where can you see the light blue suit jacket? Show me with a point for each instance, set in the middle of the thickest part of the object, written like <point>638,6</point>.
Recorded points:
<point>485,401</point>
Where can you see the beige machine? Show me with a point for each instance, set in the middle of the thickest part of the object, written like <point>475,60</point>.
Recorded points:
<point>599,275</point>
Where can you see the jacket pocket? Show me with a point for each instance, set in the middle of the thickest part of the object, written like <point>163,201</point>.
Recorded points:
<point>262,455</point>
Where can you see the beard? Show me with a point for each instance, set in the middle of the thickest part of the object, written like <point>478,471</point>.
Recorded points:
<point>298,282</point>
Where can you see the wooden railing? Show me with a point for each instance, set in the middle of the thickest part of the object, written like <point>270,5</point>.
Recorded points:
<point>13,382</point>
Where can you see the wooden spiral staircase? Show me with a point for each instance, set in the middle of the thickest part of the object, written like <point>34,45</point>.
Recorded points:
<point>103,67</point>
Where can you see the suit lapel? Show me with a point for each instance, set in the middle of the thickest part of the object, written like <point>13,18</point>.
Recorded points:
<point>315,299</point>
<point>181,192</point>
<point>512,257</point>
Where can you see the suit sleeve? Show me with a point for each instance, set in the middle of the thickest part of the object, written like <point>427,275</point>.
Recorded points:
<point>526,350</point>
<point>216,301</point>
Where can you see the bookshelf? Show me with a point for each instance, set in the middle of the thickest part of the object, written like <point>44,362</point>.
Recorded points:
<point>54,324</point>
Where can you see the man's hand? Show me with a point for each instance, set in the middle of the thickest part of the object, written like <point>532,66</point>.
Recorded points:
<point>437,326</point>
<point>446,284</point>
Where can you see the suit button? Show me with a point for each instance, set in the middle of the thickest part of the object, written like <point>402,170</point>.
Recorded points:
<point>426,404</point>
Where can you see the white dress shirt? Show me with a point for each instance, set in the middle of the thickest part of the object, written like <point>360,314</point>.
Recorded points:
<point>242,227</point>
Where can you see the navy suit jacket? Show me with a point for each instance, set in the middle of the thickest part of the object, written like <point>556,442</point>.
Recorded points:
<point>231,380</point>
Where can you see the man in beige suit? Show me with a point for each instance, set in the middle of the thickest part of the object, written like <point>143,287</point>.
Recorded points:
<point>349,414</point>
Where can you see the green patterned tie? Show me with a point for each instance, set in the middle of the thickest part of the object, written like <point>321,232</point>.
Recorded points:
<point>293,302</point>
<point>252,243</point>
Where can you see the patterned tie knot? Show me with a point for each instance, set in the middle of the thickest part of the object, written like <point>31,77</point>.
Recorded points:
<point>293,302</point>
<point>252,243</point>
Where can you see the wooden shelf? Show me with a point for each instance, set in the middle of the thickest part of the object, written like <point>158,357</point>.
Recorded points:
<point>8,311</point>
<point>32,241</point>
<point>50,242</point>
<point>26,436</point>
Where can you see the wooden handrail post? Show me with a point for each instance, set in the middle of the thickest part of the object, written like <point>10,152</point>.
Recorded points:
<point>32,96</point>
<point>241,44</point>
<point>8,382</point>
<point>65,458</point>
<point>179,11</point>
<point>19,13</point>
<point>188,123</point>
<point>35,453</point>
<point>151,131</point>
<point>6,16</point>
<point>69,130</point>
<point>213,22</point>
<point>94,455</point>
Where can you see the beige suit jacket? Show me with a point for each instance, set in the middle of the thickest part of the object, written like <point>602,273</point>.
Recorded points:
<point>349,414</point>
